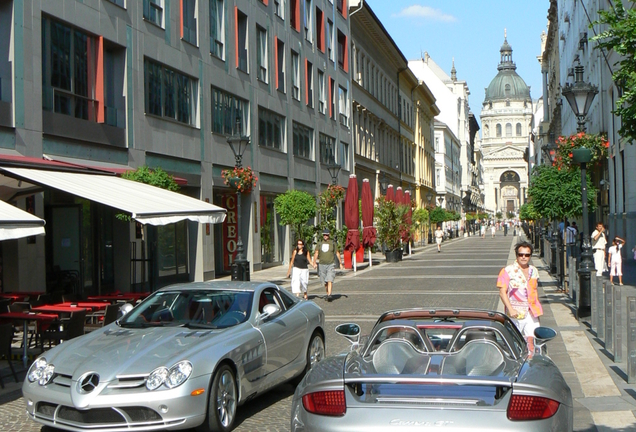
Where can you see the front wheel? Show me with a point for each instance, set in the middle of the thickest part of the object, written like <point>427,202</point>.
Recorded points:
<point>222,402</point>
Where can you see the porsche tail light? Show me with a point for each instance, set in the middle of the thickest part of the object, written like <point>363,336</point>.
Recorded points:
<point>531,408</point>
<point>329,403</point>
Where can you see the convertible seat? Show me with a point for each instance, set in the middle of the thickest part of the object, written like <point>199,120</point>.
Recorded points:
<point>397,356</point>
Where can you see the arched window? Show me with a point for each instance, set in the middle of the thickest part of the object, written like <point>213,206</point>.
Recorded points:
<point>508,130</point>
<point>507,90</point>
<point>498,130</point>
<point>518,129</point>
<point>486,131</point>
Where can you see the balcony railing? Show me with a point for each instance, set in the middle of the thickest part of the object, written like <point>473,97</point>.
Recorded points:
<point>67,103</point>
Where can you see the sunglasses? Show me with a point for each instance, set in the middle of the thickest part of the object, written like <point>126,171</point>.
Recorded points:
<point>524,255</point>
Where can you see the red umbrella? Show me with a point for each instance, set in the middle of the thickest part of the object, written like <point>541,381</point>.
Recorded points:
<point>369,233</point>
<point>389,193</point>
<point>399,196</point>
<point>352,215</point>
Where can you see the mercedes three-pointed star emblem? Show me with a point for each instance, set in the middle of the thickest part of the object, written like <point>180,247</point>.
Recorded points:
<point>88,383</point>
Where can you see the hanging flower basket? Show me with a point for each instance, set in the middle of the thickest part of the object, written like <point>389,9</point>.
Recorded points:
<point>597,144</point>
<point>241,179</point>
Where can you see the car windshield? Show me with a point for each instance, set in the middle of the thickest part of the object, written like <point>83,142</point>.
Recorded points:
<point>205,309</point>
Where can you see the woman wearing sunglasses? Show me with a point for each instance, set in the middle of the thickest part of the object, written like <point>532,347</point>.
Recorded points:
<point>299,269</point>
<point>517,285</point>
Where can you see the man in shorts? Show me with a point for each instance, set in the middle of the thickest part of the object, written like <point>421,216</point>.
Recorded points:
<point>439,236</point>
<point>517,285</point>
<point>326,253</point>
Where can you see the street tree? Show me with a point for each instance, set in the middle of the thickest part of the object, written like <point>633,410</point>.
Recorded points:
<point>295,209</point>
<point>528,213</point>
<point>620,36</point>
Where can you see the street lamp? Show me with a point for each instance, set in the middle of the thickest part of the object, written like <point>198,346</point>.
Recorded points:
<point>583,156</point>
<point>580,96</point>
<point>238,143</point>
<point>334,170</point>
<point>384,182</point>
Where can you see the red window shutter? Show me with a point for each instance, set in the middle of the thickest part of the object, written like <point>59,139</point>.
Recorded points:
<point>346,54</point>
<point>181,17</point>
<point>297,13</point>
<point>321,31</point>
<point>345,7</point>
<point>99,80</point>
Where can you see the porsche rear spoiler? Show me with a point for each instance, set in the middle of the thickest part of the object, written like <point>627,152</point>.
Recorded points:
<point>419,379</point>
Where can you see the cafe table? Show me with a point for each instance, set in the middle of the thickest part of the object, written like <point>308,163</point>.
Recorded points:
<point>94,305</point>
<point>25,318</point>
<point>115,297</point>
<point>57,309</point>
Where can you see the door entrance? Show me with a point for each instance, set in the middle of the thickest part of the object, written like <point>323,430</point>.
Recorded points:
<point>66,247</point>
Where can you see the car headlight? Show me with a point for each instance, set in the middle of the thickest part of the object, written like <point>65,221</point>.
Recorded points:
<point>41,371</point>
<point>173,377</point>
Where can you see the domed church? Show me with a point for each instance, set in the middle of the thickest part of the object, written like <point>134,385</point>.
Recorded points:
<point>506,119</point>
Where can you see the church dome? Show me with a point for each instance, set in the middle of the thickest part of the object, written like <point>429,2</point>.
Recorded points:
<point>507,85</point>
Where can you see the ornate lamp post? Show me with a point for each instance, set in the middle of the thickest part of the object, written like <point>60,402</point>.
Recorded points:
<point>333,169</point>
<point>384,183</point>
<point>580,96</point>
<point>238,143</point>
<point>549,152</point>
<point>429,198</point>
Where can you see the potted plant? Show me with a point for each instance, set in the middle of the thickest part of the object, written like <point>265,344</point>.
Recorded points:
<point>389,217</point>
<point>567,148</point>
<point>239,178</point>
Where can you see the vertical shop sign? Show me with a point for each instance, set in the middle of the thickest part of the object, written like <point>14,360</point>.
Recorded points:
<point>230,231</point>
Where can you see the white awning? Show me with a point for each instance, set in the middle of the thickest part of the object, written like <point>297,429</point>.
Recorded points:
<point>16,223</point>
<point>146,204</point>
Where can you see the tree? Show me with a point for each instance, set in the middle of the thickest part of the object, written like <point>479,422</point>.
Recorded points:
<point>420,219</point>
<point>499,215</point>
<point>438,215</point>
<point>527,212</point>
<point>389,218</point>
<point>155,177</point>
<point>620,37</point>
<point>556,193</point>
<point>510,215</point>
<point>295,208</point>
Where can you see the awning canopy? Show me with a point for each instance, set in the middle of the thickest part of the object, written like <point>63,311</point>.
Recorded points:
<point>146,204</point>
<point>16,223</point>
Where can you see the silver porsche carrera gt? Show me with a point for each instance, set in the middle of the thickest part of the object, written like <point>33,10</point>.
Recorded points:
<point>452,370</point>
<point>186,357</point>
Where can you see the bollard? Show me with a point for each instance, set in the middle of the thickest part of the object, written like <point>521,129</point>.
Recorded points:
<point>609,325</point>
<point>572,278</point>
<point>617,331</point>
<point>631,340</point>
<point>593,295</point>
<point>600,309</point>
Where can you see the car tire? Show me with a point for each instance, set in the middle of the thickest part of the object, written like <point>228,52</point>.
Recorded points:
<point>222,402</point>
<point>315,353</point>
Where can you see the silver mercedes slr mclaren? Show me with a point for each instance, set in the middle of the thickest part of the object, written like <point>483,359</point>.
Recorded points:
<point>452,370</point>
<point>186,357</point>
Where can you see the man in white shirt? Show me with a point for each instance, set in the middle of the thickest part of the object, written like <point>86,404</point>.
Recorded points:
<point>439,236</point>
<point>599,241</point>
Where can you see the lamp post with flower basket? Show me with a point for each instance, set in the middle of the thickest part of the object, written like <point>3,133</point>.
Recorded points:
<point>243,180</point>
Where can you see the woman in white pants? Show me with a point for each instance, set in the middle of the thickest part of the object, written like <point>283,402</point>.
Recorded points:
<point>299,269</point>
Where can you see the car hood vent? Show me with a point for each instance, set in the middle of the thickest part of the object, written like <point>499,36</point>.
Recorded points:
<point>118,332</point>
<point>197,334</point>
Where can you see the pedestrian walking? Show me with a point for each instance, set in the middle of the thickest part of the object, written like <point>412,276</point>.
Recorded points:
<point>439,236</point>
<point>492,230</point>
<point>599,241</point>
<point>299,269</point>
<point>517,285</point>
<point>326,254</point>
<point>570,240</point>
<point>615,260</point>
<point>482,230</point>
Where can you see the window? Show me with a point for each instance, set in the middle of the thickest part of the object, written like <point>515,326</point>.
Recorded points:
<point>303,139</point>
<point>271,129</point>
<point>498,128</point>
<point>309,83</point>
<point>330,41</point>
<point>508,130</point>
<point>518,127</point>
<point>119,3</point>
<point>320,30</point>
<point>309,27</point>
<point>279,8</point>
<point>280,65</point>
<point>295,75</point>
<point>153,11</point>
<point>322,100</point>
<point>507,90</point>
<point>344,155</point>
<point>261,53</point>
<point>341,5</point>
<point>343,60</point>
<point>189,21</point>
<point>226,108</point>
<point>241,41</point>
<point>169,93</point>
<point>343,107</point>
<point>217,28</point>
<point>68,57</point>
<point>327,149</point>
<point>332,98</point>
<point>294,14</point>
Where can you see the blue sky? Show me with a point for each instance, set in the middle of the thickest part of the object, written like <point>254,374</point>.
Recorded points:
<point>472,32</point>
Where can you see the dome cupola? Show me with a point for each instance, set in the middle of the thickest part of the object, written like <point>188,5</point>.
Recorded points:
<point>507,85</point>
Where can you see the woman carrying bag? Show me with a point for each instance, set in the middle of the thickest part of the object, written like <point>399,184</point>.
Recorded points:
<point>299,269</point>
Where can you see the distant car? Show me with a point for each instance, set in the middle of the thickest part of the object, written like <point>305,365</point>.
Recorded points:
<point>186,357</point>
<point>452,370</point>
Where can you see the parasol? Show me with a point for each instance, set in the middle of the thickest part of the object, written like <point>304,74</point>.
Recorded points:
<point>352,215</point>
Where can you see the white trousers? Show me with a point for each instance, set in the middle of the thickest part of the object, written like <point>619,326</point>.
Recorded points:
<point>299,280</point>
<point>599,261</point>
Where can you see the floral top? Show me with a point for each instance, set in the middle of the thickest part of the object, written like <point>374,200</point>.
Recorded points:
<point>522,293</point>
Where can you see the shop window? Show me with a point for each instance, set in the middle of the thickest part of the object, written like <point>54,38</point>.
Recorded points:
<point>327,149</point>
<point>153,11</point>
<point>226,108</point>
<point>169,93</point>
<point>262,60</point>
<point>217,28</point>
<point>271,129</point>
<point>172,249</point>
<point>280,65</point>
<point>303,141</point>
<point>272,232</point>
<point>189,21</point>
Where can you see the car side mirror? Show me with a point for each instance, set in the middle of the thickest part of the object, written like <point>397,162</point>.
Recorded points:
<point>544,334</point>
<point>269,310</point>
<point>350,331</point>
<point>124,309</point>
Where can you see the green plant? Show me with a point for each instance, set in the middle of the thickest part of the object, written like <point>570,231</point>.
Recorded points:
<point>154,177</point>
<point>327,204</point>
<point>499,215</point>
<point>295,208</point>
<point>510,215</point>
<point>389,218</point>
<point>241,179</point>
<point>528,213</point>
<point>438,215</point>
<point>598,144</point>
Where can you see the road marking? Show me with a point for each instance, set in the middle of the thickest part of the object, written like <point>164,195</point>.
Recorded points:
<point>614,420</point>
<point>594,379</point>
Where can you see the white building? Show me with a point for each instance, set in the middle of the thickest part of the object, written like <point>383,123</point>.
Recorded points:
<point>447,168</point>
<point>506,119</point>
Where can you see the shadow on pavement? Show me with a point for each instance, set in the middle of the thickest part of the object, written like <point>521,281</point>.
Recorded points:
<point>263,402</point>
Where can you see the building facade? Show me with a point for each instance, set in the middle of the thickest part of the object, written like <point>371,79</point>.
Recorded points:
<point>506,119</point>
<point>121,84</point>
<point>448,172</point>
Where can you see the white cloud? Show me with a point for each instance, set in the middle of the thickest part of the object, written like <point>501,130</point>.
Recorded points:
<point>418,11</point>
